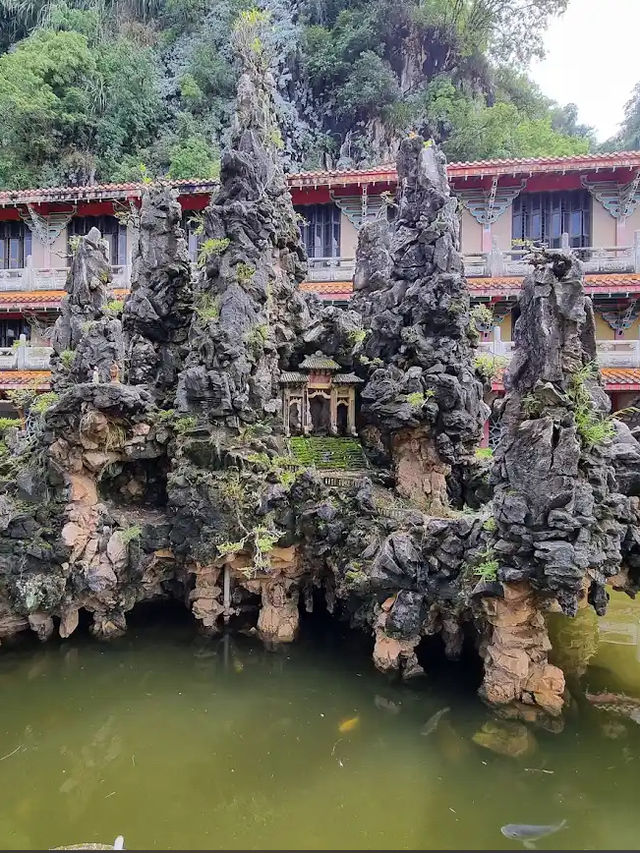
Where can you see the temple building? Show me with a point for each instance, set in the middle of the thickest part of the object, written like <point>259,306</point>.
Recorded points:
<point>589,202</point>
<point>318,400</point>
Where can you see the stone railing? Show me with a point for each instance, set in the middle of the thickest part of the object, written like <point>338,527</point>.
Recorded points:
<point>23,356</point>
<point>596,259</point>
<point>620,353</point>
<point>331,269</point>
<point>31,278</point>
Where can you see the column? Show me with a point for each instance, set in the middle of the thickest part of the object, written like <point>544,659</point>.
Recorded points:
<point>333,411</point>
<point>351,412</point>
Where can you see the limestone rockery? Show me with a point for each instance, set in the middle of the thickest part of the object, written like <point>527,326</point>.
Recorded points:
<point>222,440</point>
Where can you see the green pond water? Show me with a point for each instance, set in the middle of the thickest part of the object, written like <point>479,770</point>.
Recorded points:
<point>177,741</point>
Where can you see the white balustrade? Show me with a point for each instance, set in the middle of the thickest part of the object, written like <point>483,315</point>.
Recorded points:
<point>595,259</point>
<point>619,353</point>
<point>331,269</point>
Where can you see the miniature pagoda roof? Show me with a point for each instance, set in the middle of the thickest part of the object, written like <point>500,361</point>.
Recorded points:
<point>319,361</point>
<point>346,379</point>
<point>289,377</point>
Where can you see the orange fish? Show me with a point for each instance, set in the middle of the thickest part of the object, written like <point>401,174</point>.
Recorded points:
<point>349,725</point>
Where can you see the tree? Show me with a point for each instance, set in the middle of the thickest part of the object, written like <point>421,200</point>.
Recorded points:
<point>628,137</point>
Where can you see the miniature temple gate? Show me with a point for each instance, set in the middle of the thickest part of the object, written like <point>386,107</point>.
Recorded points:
<point>320,400</point>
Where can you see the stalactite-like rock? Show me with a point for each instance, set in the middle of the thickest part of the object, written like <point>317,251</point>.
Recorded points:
<point>87,338</point>
<point>158,311</point>
<point>410,289</point>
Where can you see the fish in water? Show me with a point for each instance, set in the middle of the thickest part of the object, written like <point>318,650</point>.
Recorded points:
<point>348,725</point>
<point>432,723</point>
<point>385,704</point>
<point>530,833</point>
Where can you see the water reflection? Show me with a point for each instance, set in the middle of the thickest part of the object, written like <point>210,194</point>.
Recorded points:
<point>176,740</point>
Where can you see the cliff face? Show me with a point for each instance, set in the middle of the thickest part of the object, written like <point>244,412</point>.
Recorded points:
<point>175,477</point>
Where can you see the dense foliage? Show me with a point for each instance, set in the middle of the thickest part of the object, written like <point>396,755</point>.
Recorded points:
<point>92,89</point>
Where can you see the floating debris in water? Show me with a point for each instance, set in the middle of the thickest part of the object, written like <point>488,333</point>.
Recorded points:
<point>528,833</point>
<point>349,725</point>
<point>432,723</point>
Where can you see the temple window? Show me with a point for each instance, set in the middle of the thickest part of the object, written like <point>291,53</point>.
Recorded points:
<point>320,230</point>
<point>113,232</point>
<point>15,245</point>
<point>542,218</point>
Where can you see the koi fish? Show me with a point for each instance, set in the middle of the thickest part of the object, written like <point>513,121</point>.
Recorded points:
<point>349,725</point>
<point>529,833</point>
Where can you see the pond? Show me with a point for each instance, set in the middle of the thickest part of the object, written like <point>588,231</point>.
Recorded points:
<point>178,741</point>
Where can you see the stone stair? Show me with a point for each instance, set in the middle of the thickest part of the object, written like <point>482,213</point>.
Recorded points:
<point>329,453</point>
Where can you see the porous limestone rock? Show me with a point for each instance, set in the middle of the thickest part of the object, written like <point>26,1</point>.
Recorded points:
<point>422,393</point>
<point>158,310</point>
<point>87,339</point>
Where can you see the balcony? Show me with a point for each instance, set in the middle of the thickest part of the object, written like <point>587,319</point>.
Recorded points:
<point>331,269</point>
<point>595,259</point>
<point>50,278</point>
<point>618,353</point>
<point>23,356</point>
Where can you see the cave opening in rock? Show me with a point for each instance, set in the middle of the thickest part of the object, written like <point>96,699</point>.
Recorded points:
<point>159,612</point>
<point>462,674</point>
<point>140,482</point>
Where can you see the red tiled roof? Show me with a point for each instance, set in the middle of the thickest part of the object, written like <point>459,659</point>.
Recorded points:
<point>10,380</point>
<point>615,379</point>
<point>384,173</point>
<point>596,283</point>
<point>39,300</point>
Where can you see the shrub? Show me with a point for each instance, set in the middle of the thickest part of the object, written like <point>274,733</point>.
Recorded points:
<point>484,453</point>
<point>43,402</point>
<point>208,307</point>
<point>210,248</point>
<point>130,533</point>
<point>67,357</point>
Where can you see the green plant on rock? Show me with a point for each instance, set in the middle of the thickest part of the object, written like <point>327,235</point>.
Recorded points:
<point>226,548</point>
<point>286,478</point>
<point>129,534</point>
<point>210,248</point>
<point>487,568</point>
<point>208,307</point>
<point>74,244</point>
<point>67,357</point>
<point>593,428</point>
<point>356,336</point>
<point>484,453</point>
<point>9,423</point>
<point>490,525</point>
<point>43,402</point>
<point>185,424</point>
<point>416,399</point>
<point>115,306</point>
<point>244,272</point>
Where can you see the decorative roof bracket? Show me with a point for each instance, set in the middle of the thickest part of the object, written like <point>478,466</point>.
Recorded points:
<point>358,208</point>
<point>46,228</point>
<point>620,200</point>
<point>487,207</point>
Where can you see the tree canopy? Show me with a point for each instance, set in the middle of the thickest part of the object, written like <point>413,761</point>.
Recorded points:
<point>92,89</point>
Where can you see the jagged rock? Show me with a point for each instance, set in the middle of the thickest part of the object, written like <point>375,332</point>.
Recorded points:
<point>248,308</point>
<point>422,393</point>
<point>87,340</point>
<point>157,313</point>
